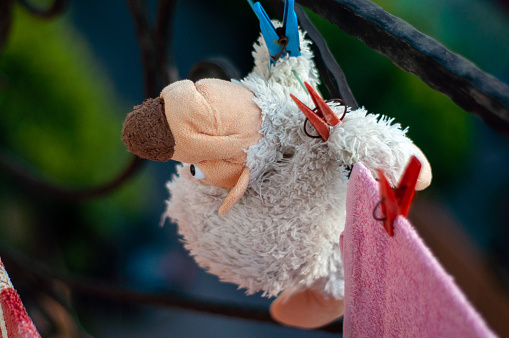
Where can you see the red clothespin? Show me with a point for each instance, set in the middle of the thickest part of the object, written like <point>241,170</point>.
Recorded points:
<point>397,201</point>
<point>323,118</point>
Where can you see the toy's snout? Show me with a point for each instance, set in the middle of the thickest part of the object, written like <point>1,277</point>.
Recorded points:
<point>210,123</point>
<point>146,132</point>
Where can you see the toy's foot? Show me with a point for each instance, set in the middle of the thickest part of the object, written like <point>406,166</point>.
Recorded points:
<point>307,309</point>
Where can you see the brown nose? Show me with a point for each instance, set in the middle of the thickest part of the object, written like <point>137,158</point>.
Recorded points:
<point>146,132</point>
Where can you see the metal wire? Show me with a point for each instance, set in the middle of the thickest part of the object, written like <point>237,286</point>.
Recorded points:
<point>468,86</point>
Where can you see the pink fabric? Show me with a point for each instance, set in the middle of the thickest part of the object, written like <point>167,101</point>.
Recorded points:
<point>394,287</point>
<point>14,321</point>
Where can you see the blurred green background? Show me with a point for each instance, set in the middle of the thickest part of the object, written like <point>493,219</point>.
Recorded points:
<point>66,84</point>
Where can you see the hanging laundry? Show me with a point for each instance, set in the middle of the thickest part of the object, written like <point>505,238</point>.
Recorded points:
<point>14,321</point>
<point>394,286</point>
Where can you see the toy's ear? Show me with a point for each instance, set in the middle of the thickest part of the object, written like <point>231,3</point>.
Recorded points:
<point>235,193</point>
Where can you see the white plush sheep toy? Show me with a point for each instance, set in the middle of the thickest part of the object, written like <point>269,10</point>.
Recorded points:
<point>258,201</point>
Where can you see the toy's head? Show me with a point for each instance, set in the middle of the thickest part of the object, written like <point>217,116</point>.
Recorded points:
<point>209,124</point>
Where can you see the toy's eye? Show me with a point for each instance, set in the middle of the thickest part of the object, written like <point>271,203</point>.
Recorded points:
<point>196,172</point>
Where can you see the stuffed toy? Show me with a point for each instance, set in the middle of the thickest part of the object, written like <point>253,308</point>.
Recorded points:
<point>260,196</point>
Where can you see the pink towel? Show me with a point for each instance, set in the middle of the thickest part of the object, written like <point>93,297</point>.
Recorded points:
<point>394,286</point>
<point>14,321</point>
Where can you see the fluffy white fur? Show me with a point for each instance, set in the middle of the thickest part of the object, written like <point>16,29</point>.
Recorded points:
<point>284,232</point>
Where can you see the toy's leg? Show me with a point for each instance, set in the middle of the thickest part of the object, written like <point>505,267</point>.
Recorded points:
<point>307,309</point>
<point>424,179</point>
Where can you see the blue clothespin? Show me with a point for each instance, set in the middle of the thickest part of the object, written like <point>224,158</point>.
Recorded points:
<point>283,40</point>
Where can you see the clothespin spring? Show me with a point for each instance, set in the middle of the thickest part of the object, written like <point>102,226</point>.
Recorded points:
<point>340,101</point>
